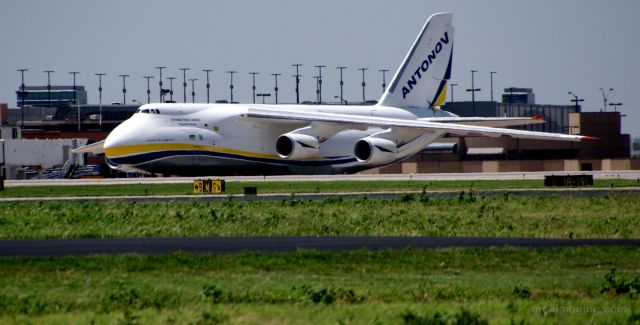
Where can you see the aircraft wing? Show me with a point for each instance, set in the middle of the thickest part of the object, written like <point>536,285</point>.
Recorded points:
<point>488,121</point>
<point>383,122</point>
<point>94,148</point>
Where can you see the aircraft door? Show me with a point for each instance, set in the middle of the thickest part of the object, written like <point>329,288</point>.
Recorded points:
<point>197,140</point>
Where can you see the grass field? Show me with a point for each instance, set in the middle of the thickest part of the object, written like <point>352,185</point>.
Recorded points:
<point>460,286</point>
<point>598,285</point>
<point>615,216</point>
<point>291,187</point>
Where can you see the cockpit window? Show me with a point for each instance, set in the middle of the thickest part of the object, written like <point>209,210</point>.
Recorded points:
<point>149,111</point>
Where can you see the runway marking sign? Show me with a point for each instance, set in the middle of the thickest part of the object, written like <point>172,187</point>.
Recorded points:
<point>568,180</point>
<point>208,186</point>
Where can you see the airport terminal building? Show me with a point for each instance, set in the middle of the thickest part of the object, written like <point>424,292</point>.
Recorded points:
<point>482,154</point>
<point>87,123</point>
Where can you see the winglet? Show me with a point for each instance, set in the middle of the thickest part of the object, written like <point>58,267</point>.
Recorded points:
<point>538,118</point>
<point>586,137</point>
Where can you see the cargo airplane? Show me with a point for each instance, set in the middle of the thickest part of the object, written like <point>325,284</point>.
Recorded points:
<point>241,139</point>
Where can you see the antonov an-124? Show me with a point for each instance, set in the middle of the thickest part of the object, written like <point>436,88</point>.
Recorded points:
<point>253,139</point>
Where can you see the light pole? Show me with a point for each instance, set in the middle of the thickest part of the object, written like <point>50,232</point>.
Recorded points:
<point>363,83</point>
<point>231,84</point>
<point>452,85</point>
<point>171,79</point>
<point>275,75</point>
<point>320,82</point>
<point>160,83</point>
<point>297,75</point>
<point>384,79</point>
<point>149,90</point>
<point>100,97</point>
<point>341,85</point>
<point>615,106</point>
<point>253,74</point>
<point>605,97</point>
<point>317,89</point>
<point>577,101</point>
<point>263,96</point>
<point>184,84</point>
<point>124,88</point>
<point>23,95</point>
<point>491,77</point>
<point>49,72</point>
<point>75,95</point>
<point>208,84</point>
<point>473,93</point>
<point>193,89</point>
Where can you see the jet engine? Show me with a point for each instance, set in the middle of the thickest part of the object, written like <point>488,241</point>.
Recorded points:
<point>297,146</point>
<point>375,151</point>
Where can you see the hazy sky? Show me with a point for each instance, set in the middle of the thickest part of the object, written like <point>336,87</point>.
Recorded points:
<point>551,46</point>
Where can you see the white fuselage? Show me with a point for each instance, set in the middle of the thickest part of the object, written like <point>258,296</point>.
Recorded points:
<point>219,139</point>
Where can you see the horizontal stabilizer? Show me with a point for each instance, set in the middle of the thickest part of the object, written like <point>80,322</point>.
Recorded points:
<point>95,148</point>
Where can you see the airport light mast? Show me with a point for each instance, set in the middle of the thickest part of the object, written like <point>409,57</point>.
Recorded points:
<point>317,89</point>
<point>149,90</point>
<point>384,79</point>
<point>615,106</point>
<point>160,83</point>
<point>275,75</point>
<point>473,93</point>
<point>184,84</point>
<point>341,85</point>
<point>320,82</point>
<point>253,74</point>
<point>193,89</point>
<point>75,95</point>
<point>208,84</point>
<point>49,72</point>
<point>231,84</point>
<point>577,101</point>
<point>452,85</point>
<point>124,88</point>
<point>23,94</point>
<point>297,75</point>
<point>100,97</point>
<point>171,79</point>
<point>363,83</point>
<point>605,97</point>
<point>263,96</point>
<point>491,78</point>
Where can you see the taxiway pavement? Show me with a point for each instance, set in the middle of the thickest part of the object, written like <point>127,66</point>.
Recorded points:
<point>222,245</point>
<point>621,174</point>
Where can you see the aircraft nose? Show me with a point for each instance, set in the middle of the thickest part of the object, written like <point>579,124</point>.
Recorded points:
<point>121,136</point>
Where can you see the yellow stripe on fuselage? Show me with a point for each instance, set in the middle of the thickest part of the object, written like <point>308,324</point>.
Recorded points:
<point>136,149</point>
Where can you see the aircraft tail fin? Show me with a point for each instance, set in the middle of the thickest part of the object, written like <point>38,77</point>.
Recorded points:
<point>421,80</point>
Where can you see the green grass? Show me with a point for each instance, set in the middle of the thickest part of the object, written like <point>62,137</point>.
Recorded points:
<point>615,216</point>
<point>567,285</point>
<point>289,187</point>
<point>452,286</point>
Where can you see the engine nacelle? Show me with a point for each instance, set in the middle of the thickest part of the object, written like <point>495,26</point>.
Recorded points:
<point>375,151</point>
<point>297,146</point>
